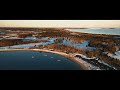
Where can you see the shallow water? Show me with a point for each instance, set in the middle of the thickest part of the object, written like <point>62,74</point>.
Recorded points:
<point>28,60</point>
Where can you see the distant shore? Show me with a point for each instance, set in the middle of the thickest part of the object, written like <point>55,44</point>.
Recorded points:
<point>97,31</point>
<point>80,62</point>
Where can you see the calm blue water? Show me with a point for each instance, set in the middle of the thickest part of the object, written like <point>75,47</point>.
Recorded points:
<point>115,31</point>
<point>28,60</point>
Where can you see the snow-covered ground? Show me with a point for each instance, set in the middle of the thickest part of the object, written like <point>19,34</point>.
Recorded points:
<point>68,42</point>
<point>92,66</point>
<point>30,39</point>
<point>26,45</point>
<point>87,65</point>
<point>116,55</point>
<point>21,46</point>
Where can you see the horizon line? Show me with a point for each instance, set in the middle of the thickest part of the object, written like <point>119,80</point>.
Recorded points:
<point>57,27</point>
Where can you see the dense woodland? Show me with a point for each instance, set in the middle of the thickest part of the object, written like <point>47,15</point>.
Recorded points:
<point>63,48</point>
<point>24,35</point>
<point>12,42</point>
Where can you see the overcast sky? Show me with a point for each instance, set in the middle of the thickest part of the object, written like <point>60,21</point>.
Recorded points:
<point>61,23</point>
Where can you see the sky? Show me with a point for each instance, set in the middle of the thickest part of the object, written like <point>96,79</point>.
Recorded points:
<point>61,23</point>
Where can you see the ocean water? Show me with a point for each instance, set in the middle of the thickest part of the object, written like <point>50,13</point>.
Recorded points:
<point>115,31</point>
<point>28,60</point>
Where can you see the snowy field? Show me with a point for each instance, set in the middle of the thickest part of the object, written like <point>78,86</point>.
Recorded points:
<point>116,55</point>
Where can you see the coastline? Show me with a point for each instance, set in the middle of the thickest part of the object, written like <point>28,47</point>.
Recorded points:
<point>94,33</point>
<point>80,62</point>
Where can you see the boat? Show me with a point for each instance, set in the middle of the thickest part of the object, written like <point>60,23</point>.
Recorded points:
<point>58,60</point>
<point>45,55</point>
<point>33,57</point>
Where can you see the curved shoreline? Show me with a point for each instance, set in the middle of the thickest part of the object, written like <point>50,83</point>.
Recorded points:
<point>84,67</point>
